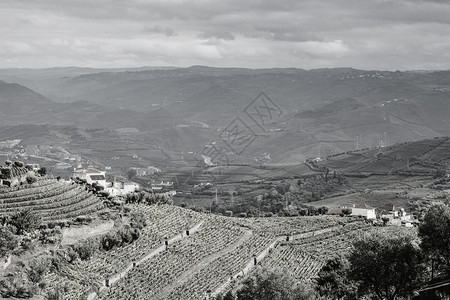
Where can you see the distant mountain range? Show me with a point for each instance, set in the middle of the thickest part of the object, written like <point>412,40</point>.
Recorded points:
<point>325,111</point>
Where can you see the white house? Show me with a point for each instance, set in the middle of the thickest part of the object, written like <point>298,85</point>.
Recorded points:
<point>91,176</point>
<point>364,210</point>
<point>118,187</point>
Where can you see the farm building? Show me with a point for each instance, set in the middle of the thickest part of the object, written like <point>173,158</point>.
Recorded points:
<point>364,210</point>
<point>119,187</point>
<point>91,175</point>
<point>393,212</point>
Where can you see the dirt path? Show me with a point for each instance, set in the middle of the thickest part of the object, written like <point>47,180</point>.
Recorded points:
<point>203,263</point>
<point>74,234</point>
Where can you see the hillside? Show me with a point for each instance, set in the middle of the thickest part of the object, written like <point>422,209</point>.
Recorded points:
<point>215,245</point>
<point>21,105</point>
<point>324,111</point>
<point>50,198</point>
<point>411,158</point>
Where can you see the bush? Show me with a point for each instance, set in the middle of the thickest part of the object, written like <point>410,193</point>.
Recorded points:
<point>17,286</point>
<point>242,215</point>
<point>86,249</point>
<point>8,241</point>
<point>137,220</point>
<point>37,269</point>
<point>25,221</point>
<point>110,240</point>
<point>27,243</point>
<point>31,179</point>
<point>71,255</point>
<point>19,164</point>
<point>42,171</point>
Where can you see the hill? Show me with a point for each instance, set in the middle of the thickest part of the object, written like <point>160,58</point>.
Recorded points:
<point>50,198</point>
<point>219,246</point>
<point>21,105</point>
<point>324,111</point>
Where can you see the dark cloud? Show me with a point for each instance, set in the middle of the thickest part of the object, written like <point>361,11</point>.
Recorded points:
<point>379,34</point>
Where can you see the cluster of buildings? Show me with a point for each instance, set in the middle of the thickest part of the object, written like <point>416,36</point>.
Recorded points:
<point>113,186</point>
<point>388,213</point>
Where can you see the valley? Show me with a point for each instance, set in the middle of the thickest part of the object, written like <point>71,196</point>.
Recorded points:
<point>238,170</point>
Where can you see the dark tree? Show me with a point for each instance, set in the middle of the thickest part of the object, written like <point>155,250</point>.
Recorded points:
<point>8,241</point>
<point>31,179</point>
<point>347,211</point>
<point>265,284</point>
<point>333,281</point>
<point>386,268</point>
<point>25,221</point>
<point>42,171</point>
<point>434,232</point>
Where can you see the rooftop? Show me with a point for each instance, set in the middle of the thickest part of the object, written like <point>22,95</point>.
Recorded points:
<point>97,177</point>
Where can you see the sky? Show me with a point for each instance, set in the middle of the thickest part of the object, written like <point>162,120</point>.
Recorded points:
<point>364,34</point>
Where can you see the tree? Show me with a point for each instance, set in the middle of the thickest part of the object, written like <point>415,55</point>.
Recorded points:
<point>386,268</point>
<point>37,269</point>
<point>8,241</point>
<point>31,179</point>
<point>266,284</point>
<point>333,280</point>
<point>434,232</point>
<point>25,220</point>
<point>42,171</point>
<point>323,210</point>
<point>86,249</point>
<point>347,211</point>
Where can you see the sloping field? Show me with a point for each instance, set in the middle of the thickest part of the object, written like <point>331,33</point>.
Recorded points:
<point>216,249</point>
<point>52,199</point>
<point>423,156</point>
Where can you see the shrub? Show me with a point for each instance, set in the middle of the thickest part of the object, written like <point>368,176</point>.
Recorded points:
<point>19,164</point>
<point>86,249</point>
<point>31,179</point>
<point>8,241</point>
<point>25,221</point>
<point>137,220</point>
<point>37,269</point>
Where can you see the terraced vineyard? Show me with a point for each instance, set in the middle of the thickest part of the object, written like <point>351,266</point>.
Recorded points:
<point>220,251</point>
<point>180,254</point>
<point>424,155</point>
<point>305,257</point>
<point>163,221</point>
<point>51,198</point>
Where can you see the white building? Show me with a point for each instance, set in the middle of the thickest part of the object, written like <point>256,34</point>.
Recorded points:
<point>364,210</point>
<point>91,176</point>
<point>119,187</point>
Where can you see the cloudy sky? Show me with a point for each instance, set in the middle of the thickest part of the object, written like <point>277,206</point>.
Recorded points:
<point>371,34</point>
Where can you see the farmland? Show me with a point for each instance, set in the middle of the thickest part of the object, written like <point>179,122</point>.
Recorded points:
<point>221,248</point>
<point>184,253</point>
<point>51,198</point>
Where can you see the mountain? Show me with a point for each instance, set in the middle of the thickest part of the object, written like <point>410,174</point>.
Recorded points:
<point>21,105</point>
<point>324,111</point>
